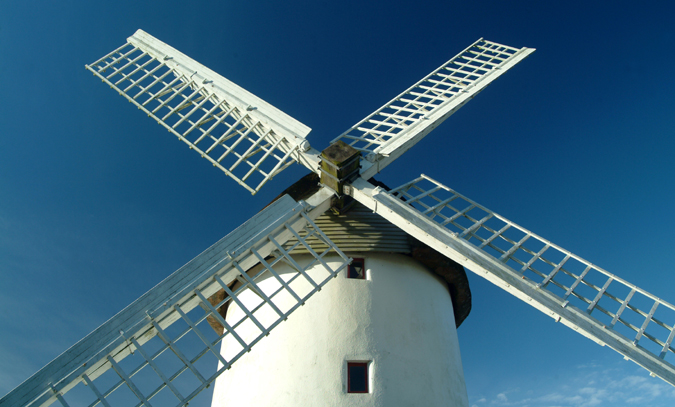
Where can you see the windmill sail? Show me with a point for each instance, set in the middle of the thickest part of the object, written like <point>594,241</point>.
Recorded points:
<point>160,350</point>
<point>588,299</point>
<point>402,122</point>
<point>241,134</point>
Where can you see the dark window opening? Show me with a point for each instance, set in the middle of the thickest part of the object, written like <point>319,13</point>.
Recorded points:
<point>357,377</point>
<point>357,269</point>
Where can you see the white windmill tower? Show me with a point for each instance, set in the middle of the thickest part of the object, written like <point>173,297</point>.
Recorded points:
<point>355,336</point>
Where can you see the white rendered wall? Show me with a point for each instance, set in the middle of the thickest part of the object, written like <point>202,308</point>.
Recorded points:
<point>400,319</point>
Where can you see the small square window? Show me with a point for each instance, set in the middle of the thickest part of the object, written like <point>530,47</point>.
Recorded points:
<point>357,377</point>
<point>357,269</point>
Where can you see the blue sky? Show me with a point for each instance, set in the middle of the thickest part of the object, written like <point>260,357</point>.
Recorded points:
<point>97,204</point>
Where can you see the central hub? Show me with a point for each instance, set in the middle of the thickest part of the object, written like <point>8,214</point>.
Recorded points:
<point>340,164</point>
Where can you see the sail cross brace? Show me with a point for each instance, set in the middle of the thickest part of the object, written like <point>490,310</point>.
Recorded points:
<point>581,295</point>
<point>245,137</point>
<point>395,127</point>
<point>161,349</point>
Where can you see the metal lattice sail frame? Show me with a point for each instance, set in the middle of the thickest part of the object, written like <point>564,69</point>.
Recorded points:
<point>245,137</point>
<point>557,282</point>
<point>395,127</point>
<point>160,350</point>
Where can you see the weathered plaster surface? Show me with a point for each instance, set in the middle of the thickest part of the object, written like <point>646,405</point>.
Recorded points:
<point>400,319</point>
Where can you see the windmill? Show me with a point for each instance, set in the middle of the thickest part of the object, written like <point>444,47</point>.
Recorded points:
<point>203,109</point>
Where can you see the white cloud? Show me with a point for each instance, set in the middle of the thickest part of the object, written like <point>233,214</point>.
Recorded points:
<point>552,397</point>
<point>591,386</point>
<point>635,400</point>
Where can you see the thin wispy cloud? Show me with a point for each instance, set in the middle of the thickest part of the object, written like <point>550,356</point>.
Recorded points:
<point>591,386</point>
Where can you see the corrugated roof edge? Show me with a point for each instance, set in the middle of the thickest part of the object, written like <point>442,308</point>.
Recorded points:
<point>452,272</point>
